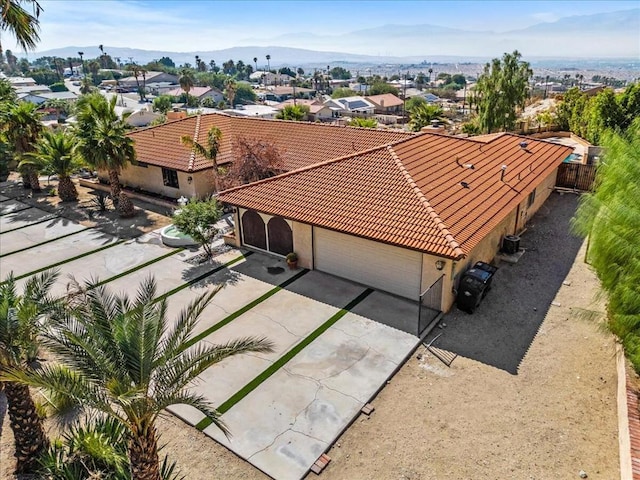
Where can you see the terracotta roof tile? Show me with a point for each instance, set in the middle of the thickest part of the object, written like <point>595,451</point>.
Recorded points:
<point>300,143</point>
<point>409,193</point>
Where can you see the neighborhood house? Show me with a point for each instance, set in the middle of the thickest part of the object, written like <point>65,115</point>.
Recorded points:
<point>393,210</point>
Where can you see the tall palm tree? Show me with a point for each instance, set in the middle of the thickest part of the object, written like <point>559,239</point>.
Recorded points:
<point>127,360</point>
<point>23,25</point>
<point>19,333</point>
<point>210,151</point>
<point>268,63</point>
<point>230,87</point>
<point>22,129</point>
<point>186,82</point>
<point>56,154</point>
<point>104,145</point>
<point>255,60</point>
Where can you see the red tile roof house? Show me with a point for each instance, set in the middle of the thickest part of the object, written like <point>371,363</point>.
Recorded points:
<point>392,210</point>
<point>166,167</point>
<point>397,217</point>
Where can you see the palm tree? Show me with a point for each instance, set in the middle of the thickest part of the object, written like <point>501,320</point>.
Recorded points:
<point>230,89</point>
<point>56,155</point>
<point>19,345</point>
<point>268,63</point>
<point>127,361</point>
<point>104,145</point>
<point>23,25</point>
<point>22,129</point>
<point>186,82</point>
<point>255,60</point>
<point>430,72</point>
<point>210,151</point>
<point>422,115</point>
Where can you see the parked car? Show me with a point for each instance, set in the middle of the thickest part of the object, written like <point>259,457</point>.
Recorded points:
<point>474,286</point>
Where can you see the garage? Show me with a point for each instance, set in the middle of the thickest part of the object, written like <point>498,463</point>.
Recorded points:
<point>385,267</point>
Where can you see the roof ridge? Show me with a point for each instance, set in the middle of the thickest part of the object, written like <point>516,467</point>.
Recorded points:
<point>314,124</point>
<point>169,122</point>
<point>308,167</point>
<point>453,244</point>
<point>192,155</point>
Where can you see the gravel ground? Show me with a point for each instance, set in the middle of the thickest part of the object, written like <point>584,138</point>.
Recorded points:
<point>530,395</point>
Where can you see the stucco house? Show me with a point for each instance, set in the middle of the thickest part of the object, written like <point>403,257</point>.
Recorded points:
<point>199,92</point>
<point>386,104</point>
<point>350,105</point>
<point>317,110</point>
<point>403,216</point>
<point>149,77</point>
<point>168,168</point>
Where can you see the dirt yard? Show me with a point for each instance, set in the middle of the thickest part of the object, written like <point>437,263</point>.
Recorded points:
<point>535,398</point>
<point>148,217</point>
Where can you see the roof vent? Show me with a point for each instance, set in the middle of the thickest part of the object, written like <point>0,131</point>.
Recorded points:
<point>504,169</point>
<point>464,185</point>
<point>524,145</point>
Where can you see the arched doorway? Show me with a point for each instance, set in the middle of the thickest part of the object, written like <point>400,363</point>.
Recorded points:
<point>253,230</point>
<point>280,236</point>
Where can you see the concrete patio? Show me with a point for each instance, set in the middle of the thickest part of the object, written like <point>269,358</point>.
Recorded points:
<point>284,408</point>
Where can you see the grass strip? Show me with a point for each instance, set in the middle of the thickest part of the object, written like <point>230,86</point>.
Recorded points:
<point>46,219</point>
<point>137,267</point>
<point>280,362</point>
<point>203,276</point>
<point>15,211</point>
<point>62,262</point>
<point>244,309</point>
<point>45,242</point>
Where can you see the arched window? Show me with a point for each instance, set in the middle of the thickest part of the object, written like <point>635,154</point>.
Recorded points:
<point>280,236</point>
<point>253,230</point>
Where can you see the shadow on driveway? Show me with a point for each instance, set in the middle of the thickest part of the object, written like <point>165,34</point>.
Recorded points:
<point>503,327</point>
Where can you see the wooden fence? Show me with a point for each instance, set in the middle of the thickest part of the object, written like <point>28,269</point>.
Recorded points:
<point>576,176</point>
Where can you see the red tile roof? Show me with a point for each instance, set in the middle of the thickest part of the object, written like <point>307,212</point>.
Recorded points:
<point>409,193</point>
<point>299,143</point>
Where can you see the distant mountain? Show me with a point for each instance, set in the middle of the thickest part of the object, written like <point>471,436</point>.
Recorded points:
<point>606,35</point>
<point>615,34</point>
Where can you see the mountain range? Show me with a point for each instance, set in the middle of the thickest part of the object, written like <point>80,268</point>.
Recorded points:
<point>606,35</point>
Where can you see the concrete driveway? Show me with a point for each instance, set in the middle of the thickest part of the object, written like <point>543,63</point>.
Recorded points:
<point>284,408</point>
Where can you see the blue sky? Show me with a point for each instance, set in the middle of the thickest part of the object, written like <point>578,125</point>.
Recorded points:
<point>189,25</point>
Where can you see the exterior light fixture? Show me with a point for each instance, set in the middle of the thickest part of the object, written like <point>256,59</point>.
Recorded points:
<point>189,179</point>
<point>439,264</point>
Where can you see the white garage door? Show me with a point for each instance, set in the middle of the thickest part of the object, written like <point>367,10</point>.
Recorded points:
<point>385,267</point>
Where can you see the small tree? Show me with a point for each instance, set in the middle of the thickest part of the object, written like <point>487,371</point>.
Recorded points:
<point>162,104</point>
<point>421,116</point>
<point>343,92</point>
<point>296,113</point>
<point>253,160</point>
<point>197,219</point>
<point>363,122</point>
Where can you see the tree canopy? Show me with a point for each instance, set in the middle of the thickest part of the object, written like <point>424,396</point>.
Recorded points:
<point>293,112</point>
<point>501,91</point>
<point>610,216</point>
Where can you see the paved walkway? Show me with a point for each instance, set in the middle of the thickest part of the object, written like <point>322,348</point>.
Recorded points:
<point>284,408</point>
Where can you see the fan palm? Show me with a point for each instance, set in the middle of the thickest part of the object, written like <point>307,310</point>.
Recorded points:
<point>128,361</point>
<point>22,129</point>
<point>19,345</point>
<point>56,154</point>
<point>422,115</point>
<point>210,151</point>
<point>104,145</point>
<point>23,25</point>
<point>186,82</point>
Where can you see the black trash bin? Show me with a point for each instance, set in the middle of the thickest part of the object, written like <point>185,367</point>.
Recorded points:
<point>511,244</point>
<point>474,286</point>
